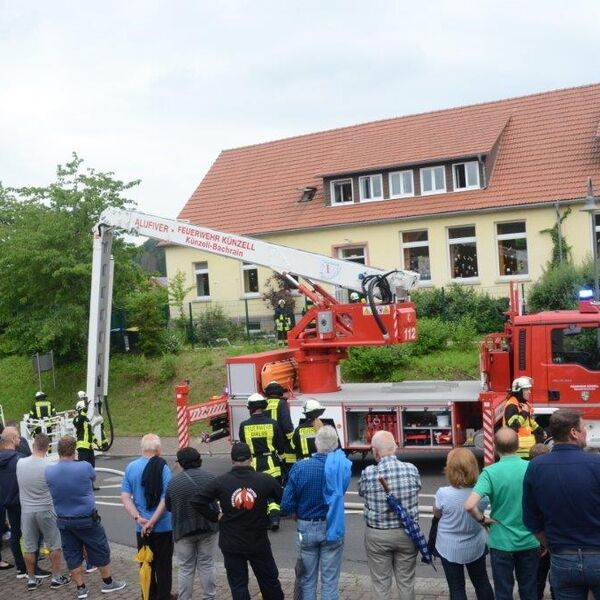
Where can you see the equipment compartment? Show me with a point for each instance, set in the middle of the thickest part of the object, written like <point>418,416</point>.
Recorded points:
<point>427,428</point>
<point>362,425</point>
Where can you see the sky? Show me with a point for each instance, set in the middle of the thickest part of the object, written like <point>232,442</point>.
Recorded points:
<point>155,90</point>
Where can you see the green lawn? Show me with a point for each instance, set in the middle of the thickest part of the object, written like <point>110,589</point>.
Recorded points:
<point>142,390</point>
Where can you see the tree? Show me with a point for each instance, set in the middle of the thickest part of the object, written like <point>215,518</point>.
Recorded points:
<point>177,293</point>
<point>46,258</point>
<point>561,251</point>
<point>151,258</point>
<point>278,288</point>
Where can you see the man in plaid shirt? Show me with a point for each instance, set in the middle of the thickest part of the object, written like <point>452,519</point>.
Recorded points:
<point>389,549</point>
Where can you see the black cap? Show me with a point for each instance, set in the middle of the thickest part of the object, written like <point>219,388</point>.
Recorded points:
<point>240,452</point>
<point>188,458</point>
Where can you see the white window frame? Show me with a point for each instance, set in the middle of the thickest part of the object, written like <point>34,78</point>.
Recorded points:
<point>249,267</point>
<point>510,236</point>
<point>431,193</point>
<point>596,228</point>
<point>468,187</point>
<point>201,271</point>
<point>463,240</point>
<point>425,244</point>
<point>403,193</point>
<point>340,252</point>
<point>332,191</point>
<point>371,178</point>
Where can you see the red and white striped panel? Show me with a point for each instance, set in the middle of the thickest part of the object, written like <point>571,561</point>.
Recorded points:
<point>198,412</point>
<point>183,427</point>
<point>488,433</point>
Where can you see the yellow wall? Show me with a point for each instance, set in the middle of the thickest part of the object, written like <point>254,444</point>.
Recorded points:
<point>384,251</point>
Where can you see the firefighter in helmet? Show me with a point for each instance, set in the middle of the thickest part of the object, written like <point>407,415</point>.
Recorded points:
<point>267,444</point>
<point>86,440</point>
<point>41,409</point>
<point>278,410</point>
<point>303,438</point>
<point>518,415</point>
<point>284,320</point>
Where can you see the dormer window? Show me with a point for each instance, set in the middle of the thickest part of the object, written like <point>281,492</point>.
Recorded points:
<point>401,184</point>
<point>341,191</point>
<point>466,175</point>
<point>433,180</point>
<point>371,188</point>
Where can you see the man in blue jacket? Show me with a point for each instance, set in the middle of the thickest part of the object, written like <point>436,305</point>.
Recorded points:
<point>315,494</point>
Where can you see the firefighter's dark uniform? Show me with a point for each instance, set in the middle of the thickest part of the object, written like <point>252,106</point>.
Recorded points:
<point>278,410</point>
<point>284,321</point>
<point>303,438</point>
<point>267,444</point>
<point>86,440</point>
<point>42,409</point>
<point>517,416</point>
<point>244,496</point>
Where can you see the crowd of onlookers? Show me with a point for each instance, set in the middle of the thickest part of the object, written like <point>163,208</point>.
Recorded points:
<point>530,517</point>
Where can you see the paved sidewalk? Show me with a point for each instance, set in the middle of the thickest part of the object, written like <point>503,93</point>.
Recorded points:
<point>130,446</point>
<point>352,587</point>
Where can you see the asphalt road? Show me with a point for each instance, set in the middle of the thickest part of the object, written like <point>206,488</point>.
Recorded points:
<point>120,528</point>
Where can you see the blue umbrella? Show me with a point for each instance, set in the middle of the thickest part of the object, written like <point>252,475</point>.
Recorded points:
<point>411,528</point>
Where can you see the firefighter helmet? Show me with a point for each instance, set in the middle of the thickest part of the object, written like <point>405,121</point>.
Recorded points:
<point>40,395</point>
<point>274,389</point>
<point>522,383</point>
<point>354,297</point>
<point>281,302</point>
<point>312,408</point>
<point>81,395</point>
<point>256,400</point>
<point>81,405</point>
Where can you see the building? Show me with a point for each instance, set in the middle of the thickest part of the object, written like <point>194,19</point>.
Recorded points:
<point>460,195</point>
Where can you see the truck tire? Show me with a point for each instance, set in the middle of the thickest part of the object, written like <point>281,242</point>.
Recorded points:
<point>478,439</point>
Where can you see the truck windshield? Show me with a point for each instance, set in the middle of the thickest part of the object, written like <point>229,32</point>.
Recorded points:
<point>577,345</point>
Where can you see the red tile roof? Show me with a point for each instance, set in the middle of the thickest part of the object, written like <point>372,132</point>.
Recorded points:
<point>548,149</point>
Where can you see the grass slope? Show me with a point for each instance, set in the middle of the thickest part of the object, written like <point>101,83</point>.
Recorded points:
<point>142,394</point>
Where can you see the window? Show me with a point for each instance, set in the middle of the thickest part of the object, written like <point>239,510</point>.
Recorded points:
<point>202,283</point>
<point>341,191</point>
<point>433,180</point>
<point>371,188</point>
<point>250,276</point>
<point>577,345</point>
<point>357,254</point>
<point>401,184</point>
<point>466,175</point>
<point>511,239</point>
<point>415,250</point>
<point>462,245</point>
<point>597,230</point>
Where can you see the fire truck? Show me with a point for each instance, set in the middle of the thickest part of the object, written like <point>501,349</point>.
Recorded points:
<point>560,350</point>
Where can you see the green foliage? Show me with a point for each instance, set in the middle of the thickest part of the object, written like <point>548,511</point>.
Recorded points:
<point>144,311</point>
<point>558,287</point>
<point>456,302</point>
<point>177,293</point>
<point>278,288</point>
<point>561,251</point>
<point>433,335</point>
<point>135,367</point>
<point>464,333</point>
<point>172,341</point>
<point>373,364</point>
<point>213,324</point>
<point>46,258</point>
<point>151,258</point>
<point>167,368</point>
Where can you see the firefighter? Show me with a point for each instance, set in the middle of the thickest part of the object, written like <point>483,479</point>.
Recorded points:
<point>86,440</point>
<point>41,409</point>
<point>303,438</point>
<point>278,410</point>
<point>283,320</point>
<point>518,415</point>
<point>267,444</point>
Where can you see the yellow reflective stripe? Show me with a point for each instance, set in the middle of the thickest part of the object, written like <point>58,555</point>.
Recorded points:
<point>273,506</point>
<point>304,433</point>
<point>38,408</point>
<point>290,459</point>
<point>516,419</point>
<point>272,406</point>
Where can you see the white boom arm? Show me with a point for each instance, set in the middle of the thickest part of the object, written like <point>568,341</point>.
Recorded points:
<point>281,259</point>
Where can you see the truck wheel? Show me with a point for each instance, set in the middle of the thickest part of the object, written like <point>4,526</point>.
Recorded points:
<point>478,440</point>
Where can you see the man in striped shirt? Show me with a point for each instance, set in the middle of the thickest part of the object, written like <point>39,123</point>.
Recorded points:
<point>389,549</point>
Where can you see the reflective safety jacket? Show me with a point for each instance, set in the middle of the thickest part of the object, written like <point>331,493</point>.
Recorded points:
<point>303,438</point>
<point>42,409</point>
<point>266,441</point>
<point>84,433</point>
<point>518,416</point>
<point>279,411</point>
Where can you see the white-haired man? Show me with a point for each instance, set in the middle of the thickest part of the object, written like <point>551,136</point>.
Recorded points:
<point>315,495</point>
<point>390,551</point>
<point>143,495</point>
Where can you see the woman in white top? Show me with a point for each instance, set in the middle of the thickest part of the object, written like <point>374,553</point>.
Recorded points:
<point>461,541</point>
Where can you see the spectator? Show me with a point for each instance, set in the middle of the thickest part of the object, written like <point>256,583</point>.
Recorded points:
<point>389,549</point>
<point>70,483</point>
<point>544,567</point>
<point>244,496</point>
<point>23,447</point>
<point>143,495</point>
<point>513,549</point>
<point>460,541</point>
<point>195,536</point>
<point>320,531</point>
<point>560,505</point>
<point>38,518</point>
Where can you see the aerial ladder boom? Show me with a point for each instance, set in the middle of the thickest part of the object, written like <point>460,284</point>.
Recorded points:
<point>282,259</point>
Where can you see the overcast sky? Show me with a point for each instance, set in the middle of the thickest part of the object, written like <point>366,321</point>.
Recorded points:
<point>156,89</point>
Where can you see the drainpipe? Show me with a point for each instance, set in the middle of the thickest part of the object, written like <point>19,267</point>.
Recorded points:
<point>482,165</point>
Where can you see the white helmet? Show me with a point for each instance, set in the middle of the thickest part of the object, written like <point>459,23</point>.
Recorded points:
<point>82,395</point>
<point>281,302</point>
<point>354,296</point>
<point>313,408</point>
<point>256,400</point>
<point>80,405</point>
<point>522,383</point>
